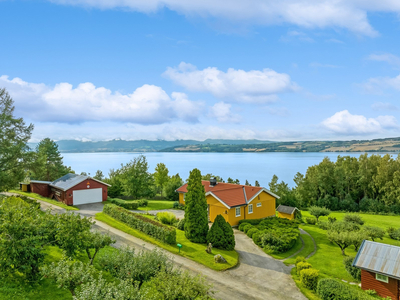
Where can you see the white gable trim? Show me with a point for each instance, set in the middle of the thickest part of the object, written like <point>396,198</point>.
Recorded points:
<point>263,190</point>
<point>212,194</point>
<point>87,178</point>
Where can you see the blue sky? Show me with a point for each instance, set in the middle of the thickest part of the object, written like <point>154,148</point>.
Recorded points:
<point>175,69</point>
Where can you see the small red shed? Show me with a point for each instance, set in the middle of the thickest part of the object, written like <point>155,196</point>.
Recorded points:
<point>72,189</point>
<point>380,268</point>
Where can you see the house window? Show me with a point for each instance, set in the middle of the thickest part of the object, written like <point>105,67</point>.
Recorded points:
<point>259,204</point>
<point>382,278</point>
<point>184,196</point>
<point>237,211</point>
<point>250,208</point>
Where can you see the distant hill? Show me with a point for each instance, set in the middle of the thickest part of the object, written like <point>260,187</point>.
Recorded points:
<point>74,146</point>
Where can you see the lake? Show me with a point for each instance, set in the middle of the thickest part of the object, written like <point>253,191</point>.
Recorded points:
<point>242,166</point>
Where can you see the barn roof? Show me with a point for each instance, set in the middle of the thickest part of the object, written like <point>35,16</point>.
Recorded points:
<point>286,209</point>
<point>70,180</point>
<point>230,194</point>
<point>379,258</point>
<point>40,181</point>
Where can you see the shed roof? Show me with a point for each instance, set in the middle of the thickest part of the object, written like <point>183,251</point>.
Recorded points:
<point>230,194</point>
<point>286,209</point>
<point>70,180</point>
<point>379,258</point>
<point>40,181</point>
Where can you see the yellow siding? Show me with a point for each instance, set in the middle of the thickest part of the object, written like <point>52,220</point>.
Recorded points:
<point>181,198</point>
<point>285,216</point>
<point>24,188</point>
<point>267,208</point>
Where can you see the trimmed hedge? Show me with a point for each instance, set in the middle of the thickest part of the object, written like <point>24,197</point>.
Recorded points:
<point>353,271</point>
<point>332,289</point>
<point>247,228</point>
<point>303,265</point>
<point>309,278</point>
<point>131,205</point>
<point>251,231</point>
<point>311,221</point>
<point>241,226</point>
<point>251,221</point>
<point>148,226</point>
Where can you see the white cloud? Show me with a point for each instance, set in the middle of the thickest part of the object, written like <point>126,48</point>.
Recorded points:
<point>63,103</point>
<point>243,86</point>
<point>222,112</point>
<point>384,106</point>
<point>386,57</point>
<point>343,122</point>
<point>347,14</point>
<point>377,84</point>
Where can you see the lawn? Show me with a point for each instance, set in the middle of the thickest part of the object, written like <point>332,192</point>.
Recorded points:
<point>292,251</point>
<point>158,205</point>
<point>38,197</point>
<point>193,251</point>
<point>307,250</point>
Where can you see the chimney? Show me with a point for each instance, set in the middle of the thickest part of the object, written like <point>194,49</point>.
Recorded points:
<point>213,182</point>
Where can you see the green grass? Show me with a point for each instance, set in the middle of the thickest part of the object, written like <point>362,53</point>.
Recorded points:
<point>193,251</point>
<point>307,250</point>
<point>157,205</point>
<point>38,197</point>
<point>295,248</point>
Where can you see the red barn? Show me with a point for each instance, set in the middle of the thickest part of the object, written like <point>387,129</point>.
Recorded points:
<point>380,268</point>
<point>72,189</point>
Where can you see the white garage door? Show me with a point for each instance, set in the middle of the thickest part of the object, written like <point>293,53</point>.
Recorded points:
<point>87,196</point>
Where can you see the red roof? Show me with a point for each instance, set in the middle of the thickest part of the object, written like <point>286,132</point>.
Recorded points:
<point>229,193</point>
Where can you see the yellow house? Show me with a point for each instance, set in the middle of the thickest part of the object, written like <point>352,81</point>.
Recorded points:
<point>235,202</point>
<point>287,212</point>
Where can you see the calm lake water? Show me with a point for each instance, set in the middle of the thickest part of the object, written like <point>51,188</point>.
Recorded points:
<point>250,166</point>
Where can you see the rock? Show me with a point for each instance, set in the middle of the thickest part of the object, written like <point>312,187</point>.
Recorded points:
<point>219,259</point>
<point>209,248</point>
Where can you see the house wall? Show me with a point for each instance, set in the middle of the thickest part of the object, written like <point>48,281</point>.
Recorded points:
<point>87,184</point>
<point>41,189</point>
<point>390,289</point>
<point>267,208</point>
<point>181,198</point>
<point>285,216</point>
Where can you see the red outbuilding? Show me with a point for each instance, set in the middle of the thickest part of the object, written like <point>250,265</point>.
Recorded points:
<point>380,268</point>
<point>72,189</point>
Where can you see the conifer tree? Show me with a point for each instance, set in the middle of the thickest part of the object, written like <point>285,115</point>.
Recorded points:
<point>221,234</point>
<point>196,219</point>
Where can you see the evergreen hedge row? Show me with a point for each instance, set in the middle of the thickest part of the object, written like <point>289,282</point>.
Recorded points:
<point>331,289</point>
<point>132,205</point>
<point>148,226</point>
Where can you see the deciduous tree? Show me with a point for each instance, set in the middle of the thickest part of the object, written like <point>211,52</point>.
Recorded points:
<point>161,176</point>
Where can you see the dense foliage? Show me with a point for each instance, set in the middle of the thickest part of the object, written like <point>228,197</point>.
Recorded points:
<point>171,186</point>
<point>221,234</point>
<point>14,136</point>
<point>196,219</point>
<point>166,217</point>
<point>332,289</point>
<point>153,228</point>
<point>353,271</point>
<point>131,205</point>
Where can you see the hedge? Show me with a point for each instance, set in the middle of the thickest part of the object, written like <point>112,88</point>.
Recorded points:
<point>353,271</point>
<point>251,231</point>
<point>309,278</point>
<point>132,205</point>
<point>251,221</point>
<point>332,289</point>
<point>302,265</point>
<point>148,226</point>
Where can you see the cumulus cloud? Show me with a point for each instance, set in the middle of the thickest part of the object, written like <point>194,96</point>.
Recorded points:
<point>148,104</point>
<point>386,57</point>
<point>377,84</point>
<point>222,112</point>
<point>343,122</point>
<point>347,14</point>
<point>243,86</point>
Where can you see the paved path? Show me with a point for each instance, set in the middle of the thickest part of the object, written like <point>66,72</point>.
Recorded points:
<point>258,275</point>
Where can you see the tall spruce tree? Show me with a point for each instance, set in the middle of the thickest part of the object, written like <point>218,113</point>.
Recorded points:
<point>221,234</point>
<point>196,219</point>
<point>14,135</point>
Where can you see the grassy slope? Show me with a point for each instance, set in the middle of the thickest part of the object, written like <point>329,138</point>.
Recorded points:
<point>193,251</point>
<point>296,247</point>
<point>307,250</point>
<point>157,205</point>
<point>38,197</point>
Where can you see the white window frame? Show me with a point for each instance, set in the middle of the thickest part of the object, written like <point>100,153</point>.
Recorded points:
<point>381,278</point>
<point>236,211</point>
<point>259,204</point>
<point>250,205</point>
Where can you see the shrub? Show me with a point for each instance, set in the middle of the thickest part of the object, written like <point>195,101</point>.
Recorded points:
<point>175,205</point>
<point>143,202</point>
<point>221,234</point>
<point>311,221</point>
<point>257,237</point>
<point>354,218</point>
<point>251,232</point>
<point>302,266</point>
<point>324,225</point>
<point>247,228</point>
<point>31,201</point>
<point>253,221</point>
<point>241,226</point>
<point>332,219</point>
<point>181,224</point>
<point>332,289</point>
<point>166,218</point>
<point>131,205</point>
<point>309,278</point>
<point>394,233</point>
<point>137,221</point>
<point>319,211</point>
<point>353,271</point>
<point>371,292</point>
<point>299,259</point>
<point>374,232</point>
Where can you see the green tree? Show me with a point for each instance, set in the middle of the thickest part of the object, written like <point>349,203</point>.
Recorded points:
<point>14,152</point>
<point>257,183</point>
<point>48,164</point>
<point>319,211</point>
<point>161,176</point>
<point>221,234</point>
<point>343,239</point>
<point>95,241</point>
<point>171,186</point>
<point>115,180</point>
<point>209,176</point>
<point>373,232</point>
<point>196,219</point>
<point>136,179</point>
<point>99,175</point>
<point>247,183</point>
<point>273,185</point>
